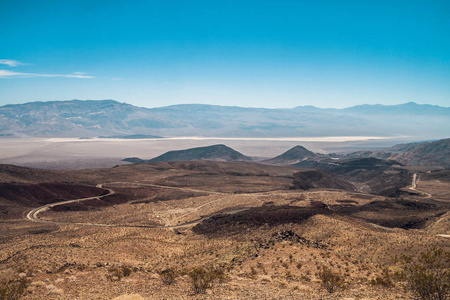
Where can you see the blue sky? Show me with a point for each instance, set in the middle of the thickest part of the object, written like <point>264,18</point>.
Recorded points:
<point>246,53</point>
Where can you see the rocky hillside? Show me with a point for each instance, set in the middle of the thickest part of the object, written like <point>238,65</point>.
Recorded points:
<point>309,179</point>
<point>371,175</point>
<point>427,154</point>
<point>431,154</point>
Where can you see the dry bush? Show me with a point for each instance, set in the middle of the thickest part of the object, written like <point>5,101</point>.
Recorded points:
<point>12,289</point>
<point>331,281</point>
<point>126,271</point>
<point>64,267</point>
<point>117,273</point>
<point>305,278</point>
<point>204,278</point>
<point>384,280</point>
<point>168,276</point>
<point>428,276</point>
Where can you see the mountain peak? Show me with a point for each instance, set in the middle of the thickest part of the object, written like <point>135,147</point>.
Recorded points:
<point>292,156</point>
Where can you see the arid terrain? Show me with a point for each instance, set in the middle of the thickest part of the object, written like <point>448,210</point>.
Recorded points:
<point>75,153</point>
<point>265,231</point>
<point>224,150</point>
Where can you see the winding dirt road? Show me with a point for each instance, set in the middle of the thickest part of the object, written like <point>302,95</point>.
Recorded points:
<point>415,180</point>
<point>33,214</point>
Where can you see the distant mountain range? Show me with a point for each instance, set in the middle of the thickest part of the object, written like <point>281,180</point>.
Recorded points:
<point>110,118</point>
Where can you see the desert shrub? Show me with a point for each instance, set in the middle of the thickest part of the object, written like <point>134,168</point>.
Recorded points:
<point>12,289</point>
<point>318,204</point>
<point>168,275</point>
<point>262,268</point>
<point>64,267</point>
<point>117,273</point>
<point>428,276</point>
<point>126,271</point>
<point>204,278</point>
<point>305,278</point>
<point>331,281</point>
<point>289,276</point>
<point>384,280</point>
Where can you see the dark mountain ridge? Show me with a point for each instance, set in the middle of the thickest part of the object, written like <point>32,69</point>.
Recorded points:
<point>214,152</point>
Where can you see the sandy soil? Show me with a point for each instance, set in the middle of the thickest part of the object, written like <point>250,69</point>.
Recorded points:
<point>81,262</point>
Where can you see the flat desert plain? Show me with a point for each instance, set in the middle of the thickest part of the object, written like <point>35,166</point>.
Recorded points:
<point>73,153</point>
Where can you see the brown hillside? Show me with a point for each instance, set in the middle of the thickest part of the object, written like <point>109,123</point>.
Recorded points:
<point>309,179</point>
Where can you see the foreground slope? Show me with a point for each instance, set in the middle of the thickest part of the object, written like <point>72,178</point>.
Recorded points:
<point>244,220</point>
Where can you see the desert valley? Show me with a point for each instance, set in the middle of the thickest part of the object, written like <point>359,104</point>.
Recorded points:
<point>224,150</point>
<point>211,223</point>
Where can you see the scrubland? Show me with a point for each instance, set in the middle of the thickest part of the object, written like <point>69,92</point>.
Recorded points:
<point>216,231</point>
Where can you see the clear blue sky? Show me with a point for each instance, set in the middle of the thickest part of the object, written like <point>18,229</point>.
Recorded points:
<point>247,53</point>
